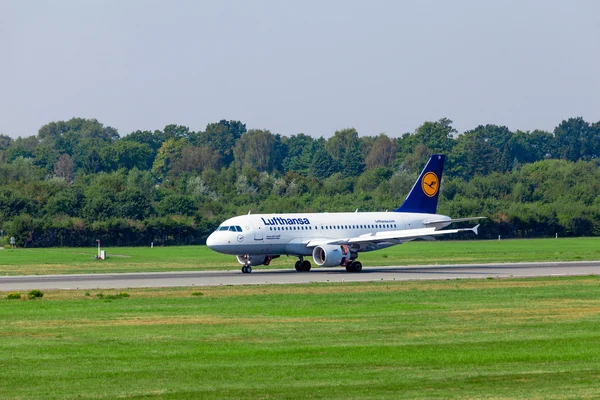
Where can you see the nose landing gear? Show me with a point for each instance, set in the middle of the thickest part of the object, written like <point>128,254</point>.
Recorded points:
<point>246,269</point>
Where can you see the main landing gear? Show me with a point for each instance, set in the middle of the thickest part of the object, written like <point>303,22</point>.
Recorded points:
<point>302,265</point>
<point>354,266</point>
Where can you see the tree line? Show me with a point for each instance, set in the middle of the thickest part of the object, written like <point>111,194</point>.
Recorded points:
<point>77,181</point>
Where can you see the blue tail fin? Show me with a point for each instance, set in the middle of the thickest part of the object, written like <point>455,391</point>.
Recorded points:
<point>423,196</point>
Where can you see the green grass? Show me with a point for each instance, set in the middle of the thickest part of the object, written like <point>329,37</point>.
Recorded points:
<point>190,258</point>
<point>509,338</point>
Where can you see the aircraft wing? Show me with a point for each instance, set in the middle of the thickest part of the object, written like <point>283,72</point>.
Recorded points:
<point>442,223</point>
<point>396,237</point>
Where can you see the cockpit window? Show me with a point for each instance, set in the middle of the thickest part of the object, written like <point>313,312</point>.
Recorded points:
<point>238,228</point>
<point>232,228</point>
<point>223,228</point>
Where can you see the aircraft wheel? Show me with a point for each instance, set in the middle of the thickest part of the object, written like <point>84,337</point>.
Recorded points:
<point>354,266</point>
<point>298,266</point>
<point>305,265</point>
<point>246,269</point>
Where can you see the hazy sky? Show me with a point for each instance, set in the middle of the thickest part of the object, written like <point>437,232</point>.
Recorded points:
<point>302,66</point>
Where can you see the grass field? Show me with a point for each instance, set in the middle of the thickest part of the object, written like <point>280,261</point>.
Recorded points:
<point>513,338</point>
<point>188,258</point>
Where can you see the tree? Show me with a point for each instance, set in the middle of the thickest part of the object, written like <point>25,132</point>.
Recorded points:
<point>65,202</point>
<point>576,140</point>
<point>92,163</point>
<point>382,153</point>
<point>371,179</point>
<point>344,148</point>
<point>5,142</point>
<point>12,204</point>
<point>300,150</point>
<point>222,137</point>
<point>482,150</point>
<point>529,147</point>
<point>128,155</point>
<point>196,159</point>
<point>22,147</point>
<point>257,149</point>
<point>23,228</point>
<point>167,154</point>
<point>173,131</point>
<point>135,204</point>
<point>437,136</point>
<point>153,139</point>
<point>64,168</point>
<point>177,204</point>
<point>77,137</point>
<point>323,165</point>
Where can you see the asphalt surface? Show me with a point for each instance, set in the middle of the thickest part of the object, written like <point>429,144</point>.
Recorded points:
<point>258,276</point>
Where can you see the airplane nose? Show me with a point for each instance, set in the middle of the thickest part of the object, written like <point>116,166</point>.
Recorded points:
<point>211,241</point>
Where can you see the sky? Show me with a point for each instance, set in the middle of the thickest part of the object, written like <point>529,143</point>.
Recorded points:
<point>299,66</point>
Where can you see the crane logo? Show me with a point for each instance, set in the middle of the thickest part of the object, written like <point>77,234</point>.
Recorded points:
<point>430,184</point>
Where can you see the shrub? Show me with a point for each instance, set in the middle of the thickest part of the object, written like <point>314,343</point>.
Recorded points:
<point>13,296</point>
<point>115,296</point>
<point>197,294</point>
<point>35,293</point>
<point>87,294</point>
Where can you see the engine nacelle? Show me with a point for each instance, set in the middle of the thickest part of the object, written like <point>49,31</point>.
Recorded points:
<point>331,255</point>
<point>255,259</point>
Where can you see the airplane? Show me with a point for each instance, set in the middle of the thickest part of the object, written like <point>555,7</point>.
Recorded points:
<point>336,239</point>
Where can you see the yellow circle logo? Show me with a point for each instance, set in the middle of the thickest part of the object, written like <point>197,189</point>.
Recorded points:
<point>430,184</point>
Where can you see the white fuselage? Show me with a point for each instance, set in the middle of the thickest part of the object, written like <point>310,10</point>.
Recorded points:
<point>288,234</point>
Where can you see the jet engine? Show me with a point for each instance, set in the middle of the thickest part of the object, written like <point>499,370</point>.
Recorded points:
<point>331,255</point>
<point>255,259</point>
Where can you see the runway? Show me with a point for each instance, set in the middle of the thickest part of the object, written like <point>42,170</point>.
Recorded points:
<point>258,277</point>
